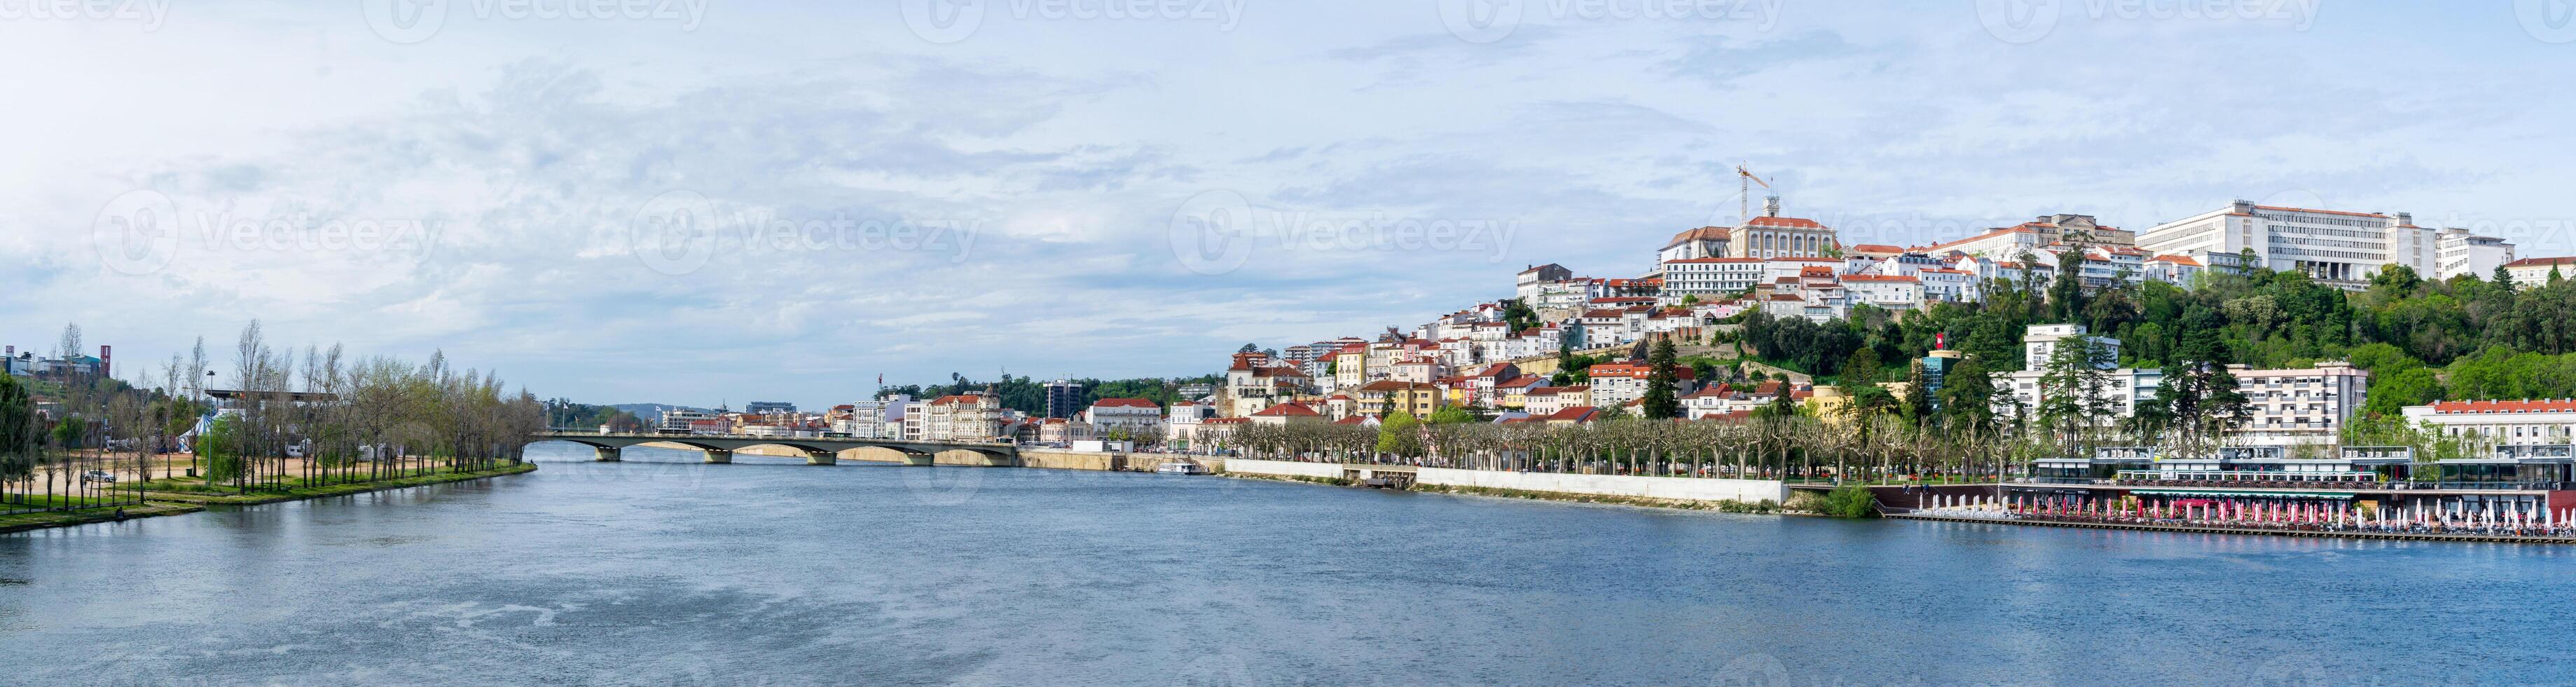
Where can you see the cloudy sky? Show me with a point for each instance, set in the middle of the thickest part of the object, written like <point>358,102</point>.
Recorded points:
<point>714,200</point>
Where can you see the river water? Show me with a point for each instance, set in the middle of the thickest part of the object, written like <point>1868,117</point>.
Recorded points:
<point>660,570</point>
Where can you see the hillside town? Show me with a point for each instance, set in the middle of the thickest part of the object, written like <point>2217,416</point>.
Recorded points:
<point>1568,349</point>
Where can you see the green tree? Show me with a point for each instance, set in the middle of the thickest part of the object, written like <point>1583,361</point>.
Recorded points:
<point>1400,433</point>
<point>20,439</point>
<point>2073,398</point>
<point>2503,278</point>
<point>1967,397</point>
<point>220,450</point>
<point>2391,393</point>
<point>1916,405</point>
<point>1659,403</point>
<point>1851,501</point>
<point>68,432</point>
<point>1862,369</point>
<point>2201,400</point>
<point>1452,415</point>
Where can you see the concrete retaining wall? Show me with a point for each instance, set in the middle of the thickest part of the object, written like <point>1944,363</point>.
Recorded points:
<point>1068,460</point>
<point>1284,468</point>
<point>1688,488</point>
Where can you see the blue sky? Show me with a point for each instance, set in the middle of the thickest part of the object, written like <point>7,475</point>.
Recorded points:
<point>592,205</point>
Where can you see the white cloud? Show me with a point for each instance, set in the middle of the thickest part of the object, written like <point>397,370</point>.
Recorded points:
<point>1051,155</point>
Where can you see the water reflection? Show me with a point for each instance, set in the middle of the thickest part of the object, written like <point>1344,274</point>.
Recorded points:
<point>663,570</point>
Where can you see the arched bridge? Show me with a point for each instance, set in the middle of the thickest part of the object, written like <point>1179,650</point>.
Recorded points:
<point>818,450</point>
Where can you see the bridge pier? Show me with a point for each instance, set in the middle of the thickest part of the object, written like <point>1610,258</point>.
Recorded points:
<point>719,455</point>
<point>822,457</point>
<point>606,454</point>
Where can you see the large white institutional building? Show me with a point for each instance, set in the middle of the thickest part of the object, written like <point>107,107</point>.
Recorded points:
<point>2347,248</point>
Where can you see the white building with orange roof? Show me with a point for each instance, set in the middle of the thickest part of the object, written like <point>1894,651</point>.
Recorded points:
<point>1711,277</point>
<point>1941,284</point>
<point>1128,413</point>
<point>2530,272</point>
<point>1873,251</point>
<point>1693,244</point>
<point>1773,236</point>
<point>2524,422</point>
<point>1288,414</point>
<point>1419,369</point>
<point>1618,383</point>
<point>1885,292</point>
<point>1547,400</point>
<point>2178,270</point>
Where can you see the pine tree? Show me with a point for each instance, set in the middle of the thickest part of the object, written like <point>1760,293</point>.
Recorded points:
<point>1916,405</point>
<point>1659,402</point>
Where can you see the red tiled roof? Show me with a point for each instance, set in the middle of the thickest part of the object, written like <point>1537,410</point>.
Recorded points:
<point>1577,414</point>
<point>2535,262</point>
<point>1783,222</point>
<point>1287,410</point>
<point>1124,403</point>
<point>2543,405</point>
<point>1700,234</point>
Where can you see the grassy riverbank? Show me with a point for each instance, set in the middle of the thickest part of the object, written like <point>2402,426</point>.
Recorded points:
<point>84,516</point>
<point>192,491</point>
<point>175,496</point>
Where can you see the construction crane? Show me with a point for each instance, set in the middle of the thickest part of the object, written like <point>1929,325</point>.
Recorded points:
<point>1744,198</point>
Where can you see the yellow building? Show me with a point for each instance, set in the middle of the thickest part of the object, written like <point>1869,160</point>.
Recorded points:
<point>1414,398</point>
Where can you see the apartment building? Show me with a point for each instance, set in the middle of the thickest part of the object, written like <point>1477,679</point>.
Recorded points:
<point>2298,406</point>
<point>963,417</point>
<point>1615,384</point>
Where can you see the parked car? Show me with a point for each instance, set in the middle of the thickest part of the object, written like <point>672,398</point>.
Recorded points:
<point>98,476</point>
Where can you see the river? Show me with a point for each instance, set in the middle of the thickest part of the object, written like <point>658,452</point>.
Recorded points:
<point>660,570</point>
